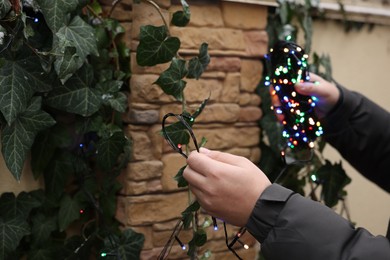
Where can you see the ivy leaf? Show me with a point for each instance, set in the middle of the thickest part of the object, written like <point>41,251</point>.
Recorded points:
<point>197,65</point>
<point>5,7</point>
<point>18,138</point>
<point>333,179</point>
<point>69,211</point>
<point>109,149</point>
<point>11,206</point>
<point>11,232</point>
<point>56,12</point>
<point>62,165</point>
<point>20,78</point>
<point>187,213</point>
<point>182,18</point>
<point>79,35</point>
<point>200,108</point>
<point>181,182</point>
<point>45,144</point>
<point>42,227</point>
<point>178,133</point>
<point>198,240</point>
<point>171,80</point>
<point>118,102</point>
<point>76,96</point>
<point>126,246</point>
<point>66,64</point>
<point>156,46</point>
<point>47,253</point>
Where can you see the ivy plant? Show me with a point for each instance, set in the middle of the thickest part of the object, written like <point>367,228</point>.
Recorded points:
<point>64,80</point>
<point>158,46</point>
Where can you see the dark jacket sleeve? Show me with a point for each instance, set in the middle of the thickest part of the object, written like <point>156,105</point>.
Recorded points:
<point>290,227</point>
<point>360,130</point>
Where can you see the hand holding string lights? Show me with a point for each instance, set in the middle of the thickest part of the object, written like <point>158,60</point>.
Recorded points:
<point>177,135</point>
<point>288,66</point>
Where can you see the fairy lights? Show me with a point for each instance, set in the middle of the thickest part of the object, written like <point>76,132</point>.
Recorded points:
<point>289,65</point>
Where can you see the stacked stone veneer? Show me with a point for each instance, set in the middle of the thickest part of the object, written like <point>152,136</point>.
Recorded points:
<point>150,201</point>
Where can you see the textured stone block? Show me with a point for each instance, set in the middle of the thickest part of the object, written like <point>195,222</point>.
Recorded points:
<point>217,38</point>
<point>256,43</point>
<point>244,16</point>
<point>144,91</point>
<point>209,15</point>
<point>226,64</point>
<point>228,137</point>
<point>251,74</point>
<point>148,209</point>
<point>220,113</point>
<point>250,114</point>
<point>172,163</point>
<point>142,149</point>
<point>143,170</point>
<point>231,88</point>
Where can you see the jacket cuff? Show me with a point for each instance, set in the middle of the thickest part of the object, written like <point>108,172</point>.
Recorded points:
<point>266,211</point>
<point>337,118</point>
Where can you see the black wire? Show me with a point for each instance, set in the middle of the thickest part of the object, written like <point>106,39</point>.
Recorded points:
<point>181,118</point>
<point>288,165</point>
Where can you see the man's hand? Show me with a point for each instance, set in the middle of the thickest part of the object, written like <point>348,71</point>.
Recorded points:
<point>225,185</point>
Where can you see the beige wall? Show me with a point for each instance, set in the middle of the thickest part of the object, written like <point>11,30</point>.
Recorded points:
<point>360,61</point>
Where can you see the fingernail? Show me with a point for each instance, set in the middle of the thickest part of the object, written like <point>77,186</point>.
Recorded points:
<point>204,150</point>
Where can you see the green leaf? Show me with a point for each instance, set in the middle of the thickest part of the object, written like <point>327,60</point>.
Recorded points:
<point>18,138</point>
<point>11,232</point>
<point>181,182</point>
<point>76,96</point>
<point>126,246</point>
<point>118,102</point>
<point>156,46</point>
<point>66,64</point>
<point>5,7</point>
<point>42,227</point>
<point>182,18</point>
<point>69,211</point>
<point>200,108</point>
<point>178,133</point>
<point>197,65</point>
<point>45,145</point>
<point>47,253</point>
<point>199,239</point>
<point>187,213</point>
<point>11,206</point>
<point>109,149</point>
<point>333,179</point>
<point>77,38</point>
<point>59,170</point>
<point>171,80</point>
<point>56,12</point>
<point>20,78</point>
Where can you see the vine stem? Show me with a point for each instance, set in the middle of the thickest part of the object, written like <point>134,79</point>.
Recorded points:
<point>194,224</point>
<point>160,13</point>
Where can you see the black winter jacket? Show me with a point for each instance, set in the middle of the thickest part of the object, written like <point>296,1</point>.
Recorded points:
<point>291,227</point>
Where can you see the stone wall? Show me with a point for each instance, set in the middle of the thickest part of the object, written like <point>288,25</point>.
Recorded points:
<point>150,201</point>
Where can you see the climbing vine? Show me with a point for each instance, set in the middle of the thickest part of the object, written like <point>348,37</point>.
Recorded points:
<point>64,74</point>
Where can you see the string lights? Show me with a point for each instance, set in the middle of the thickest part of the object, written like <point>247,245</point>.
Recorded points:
<point>288,65</point>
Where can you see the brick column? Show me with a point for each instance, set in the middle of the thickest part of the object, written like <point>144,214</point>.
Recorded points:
<point>150,201</point>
